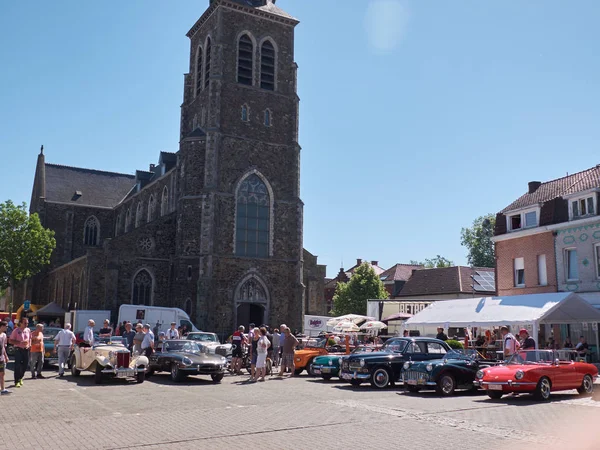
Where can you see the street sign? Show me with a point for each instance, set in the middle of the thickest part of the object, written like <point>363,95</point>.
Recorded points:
<point>26,305</point>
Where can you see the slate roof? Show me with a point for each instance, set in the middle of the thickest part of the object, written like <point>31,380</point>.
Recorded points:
<point>571,184</point>
<point>98,188</point>
<point>399,272</point>
<point>265,6</point>
<point>446,280</point>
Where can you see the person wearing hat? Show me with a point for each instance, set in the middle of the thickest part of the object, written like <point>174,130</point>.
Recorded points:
<point>441,335</point>
<point>527,342</point>
<point>172,333</point>
<point>138,338</point>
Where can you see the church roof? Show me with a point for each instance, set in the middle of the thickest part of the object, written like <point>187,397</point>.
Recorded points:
<point>86,186</point>
<point>265,6</point>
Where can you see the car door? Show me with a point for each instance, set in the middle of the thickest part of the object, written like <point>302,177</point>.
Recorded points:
<point>417,351</point>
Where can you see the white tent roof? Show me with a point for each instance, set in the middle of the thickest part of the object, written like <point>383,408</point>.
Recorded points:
<point>561,307</point>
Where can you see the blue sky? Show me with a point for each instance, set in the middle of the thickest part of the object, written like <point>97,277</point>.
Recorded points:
<point>416,116</point>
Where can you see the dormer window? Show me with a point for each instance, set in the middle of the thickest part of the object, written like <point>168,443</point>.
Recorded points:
<point>523,219</point>
<point>583,207</point>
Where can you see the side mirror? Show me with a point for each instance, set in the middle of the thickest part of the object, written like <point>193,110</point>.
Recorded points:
<point>557,362</point>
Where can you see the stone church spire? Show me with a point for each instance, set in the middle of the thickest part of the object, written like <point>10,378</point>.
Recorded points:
<point>39,183</point>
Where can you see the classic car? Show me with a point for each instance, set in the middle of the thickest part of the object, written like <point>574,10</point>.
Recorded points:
<point>328,366</point>
<point>304,358</point>
<point>456,370</point>
<point>210,341</point>
<point>182,357</point>
<point>108,360</point>
<point>384,367</point>
<point>50,355</point>
<point>537,372</point>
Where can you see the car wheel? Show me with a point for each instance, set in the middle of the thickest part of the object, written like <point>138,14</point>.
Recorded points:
<point>587,386</point>
<point>446,385</point>
<point>175,373</point>
<point>98,374</point>
<point>150,372</point>
<point>216,377</point>
<point>326,377</point>
<point>355,383</point>
<point>413,389</point>
<point>298,371</point>
<point>495,395</point>
<point>140,377</point>
<point>74,370</point>
<point>543,389</point>
<point>380,378</point>
<point>10,350</point>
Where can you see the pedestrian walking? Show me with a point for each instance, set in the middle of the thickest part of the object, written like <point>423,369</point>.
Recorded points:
<point>63,344</point>
<point>138,338</point>
<point>36,354</point>
<point>128,336</point>
<point>237,350</point>
<point>276,343</point>
<point>172,332</point>
<point>21,340</point>
<point>289,344</point>
<point>148,342</point>
<point>88,334</point>
<point>262,348</point>
<point>3,357</point>
<point>511,345</point>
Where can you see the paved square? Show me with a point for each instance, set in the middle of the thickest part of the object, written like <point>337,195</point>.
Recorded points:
<point>296,413</point>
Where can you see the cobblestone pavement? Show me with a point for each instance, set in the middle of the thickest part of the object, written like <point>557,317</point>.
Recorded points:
<point>296,413</point>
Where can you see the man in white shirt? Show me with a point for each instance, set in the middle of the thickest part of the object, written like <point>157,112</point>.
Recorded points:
<point>148,342</point>
<point>172,333</point>
<point>63,344</point>
<point>88,335</point>
<point>510,343</point>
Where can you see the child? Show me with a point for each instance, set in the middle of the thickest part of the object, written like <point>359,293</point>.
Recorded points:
<point>3,356</point>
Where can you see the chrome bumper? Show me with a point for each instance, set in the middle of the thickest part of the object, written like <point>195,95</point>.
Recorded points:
<point>416,383</point>
<point>123,372</point>
<point>509,383</point>
<point>355,376</point>
<point>320,369</point>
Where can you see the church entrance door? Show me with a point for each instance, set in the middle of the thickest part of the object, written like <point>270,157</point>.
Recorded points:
<point>251,303</point>
<point>248,313</point>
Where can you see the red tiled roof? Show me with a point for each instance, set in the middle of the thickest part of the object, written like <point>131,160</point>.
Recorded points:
<point>399,272</point>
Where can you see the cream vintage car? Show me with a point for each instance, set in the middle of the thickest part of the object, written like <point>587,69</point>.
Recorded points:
<point>108,360</point>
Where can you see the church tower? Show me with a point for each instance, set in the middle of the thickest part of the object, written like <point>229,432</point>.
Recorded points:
<point>239,233</point>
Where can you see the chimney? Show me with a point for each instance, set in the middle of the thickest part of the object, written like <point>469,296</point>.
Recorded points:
<point>152,167</point>
<point>374,263</point>
<point>533,186</point>
<point>358,261</point>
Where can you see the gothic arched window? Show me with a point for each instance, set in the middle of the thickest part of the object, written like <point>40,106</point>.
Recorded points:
<point>245,69</point>
<point>267,66</point>
<point>245,113</point>
<point>91,231</point>
<point>253,206</point>
<point>151,209</point>
<point>187,306</point>
<point>267,117</point>
<point>128,220</point>
<point>252,291</point>
<point>198,70</point>
<point>207,63</point>
<point>138,215</point>
<point>164,202</point>
<point>142,288</point>
<point>118,223</point>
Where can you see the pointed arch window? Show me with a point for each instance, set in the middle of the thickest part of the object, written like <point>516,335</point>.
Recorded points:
<point>198,70</point>
<point>207,62</point>
<point>138,215</point>
<point>128,220</point>
<point>118,223</point>
<point>91,231</point>
<point>164,202</point>
<point>151,209</point>
<point>203,117</point>
<point>267,66</point>
<point>245,113</point>
<point>187,306</point>
<point>267,117</point>
<point>142,288</point>
<point>195,122</point>
<point>253,210</point>
<point>245,69</point>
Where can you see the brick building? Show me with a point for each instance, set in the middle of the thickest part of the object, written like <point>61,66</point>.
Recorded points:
<point>215,228</point>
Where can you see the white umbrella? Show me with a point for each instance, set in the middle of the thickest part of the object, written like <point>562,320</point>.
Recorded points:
<point>346,326</point>
<point>373,325</point>
<point>354,318</point>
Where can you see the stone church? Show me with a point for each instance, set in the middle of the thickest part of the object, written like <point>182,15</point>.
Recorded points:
<point>214,228</point>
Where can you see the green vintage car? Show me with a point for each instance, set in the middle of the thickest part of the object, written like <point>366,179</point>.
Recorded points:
<point>328,366</point>
<point>50,355</point>
<point>456,370</point>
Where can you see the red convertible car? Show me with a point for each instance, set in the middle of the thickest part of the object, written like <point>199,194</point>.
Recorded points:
<point>537,372</point>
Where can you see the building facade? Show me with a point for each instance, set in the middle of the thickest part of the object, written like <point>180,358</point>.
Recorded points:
<point>215,228</point>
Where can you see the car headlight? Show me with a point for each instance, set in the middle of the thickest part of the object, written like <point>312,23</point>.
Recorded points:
<point>223,360</point>
<point>362,363</point>
<point>187,361</point>
<point>429,367</point>
<point>406,365</point>
<point>479,374</point>
<point>331,362</point>
<point>519,374</point>
<point>340,361</point>
<point>111,355</point>
<point>298,359</point>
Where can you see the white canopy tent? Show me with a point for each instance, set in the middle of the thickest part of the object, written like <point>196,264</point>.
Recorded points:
<point>518,310</point>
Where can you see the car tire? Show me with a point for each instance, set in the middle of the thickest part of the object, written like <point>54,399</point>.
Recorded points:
<point>587,386</point>
<point>446,385</point>
<point>413,389</point>
<point>380,378</point>
<point>326,377</point>
<point>495,395</point>
<point>140,377</point>
<point>74,370</point>
<point>355,383</point>
<point>217,377</point>
<point>176,375</point>
<point>542,390</point>
<point>10,350</point>
<point>98,374</point>
<point>150,372</point>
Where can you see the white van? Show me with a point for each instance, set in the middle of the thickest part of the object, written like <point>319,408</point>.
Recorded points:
<point>154,315</point>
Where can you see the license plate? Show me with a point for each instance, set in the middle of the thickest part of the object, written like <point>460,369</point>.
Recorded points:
<point>326,370</point>
<point>412,382</point>
<point>347,376</point>
<point>317,371</point>
<point>125,373</point>
<point>494,387</point>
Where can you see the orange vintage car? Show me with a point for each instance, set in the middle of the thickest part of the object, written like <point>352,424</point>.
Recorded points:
<point>303,358</point>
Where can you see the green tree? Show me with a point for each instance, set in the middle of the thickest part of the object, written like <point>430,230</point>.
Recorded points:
<point>434,263</point>
<point>25,246</point>
<point>351,297</point>
<point>478,239</point>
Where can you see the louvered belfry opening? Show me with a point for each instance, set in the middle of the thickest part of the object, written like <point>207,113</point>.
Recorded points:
<point>199,71</point>
<point>245,60</point>
<point>207,63</point>
<point>267,66</point>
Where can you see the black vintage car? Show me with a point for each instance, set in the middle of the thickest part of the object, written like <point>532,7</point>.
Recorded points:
<point>456,370</point>
<point>384,367</point>
<point>183,357</point>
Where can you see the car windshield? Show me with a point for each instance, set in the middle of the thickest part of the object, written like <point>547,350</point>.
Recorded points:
<point>461,354</point>
<point>182,346</point>
<point>532,357</point>
<point>394,345</point>
<point>203,337</point>
<point>51,333</point>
